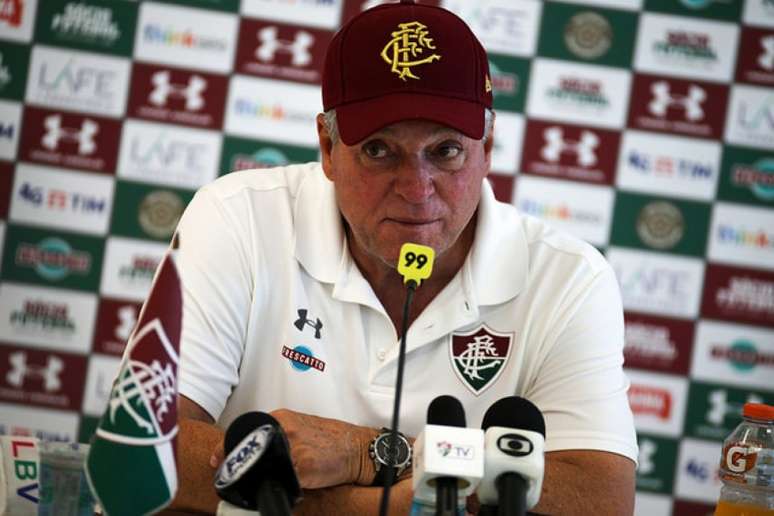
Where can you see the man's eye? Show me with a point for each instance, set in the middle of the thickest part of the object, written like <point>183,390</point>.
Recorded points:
<point>449,151</point>
<point>375,149</point>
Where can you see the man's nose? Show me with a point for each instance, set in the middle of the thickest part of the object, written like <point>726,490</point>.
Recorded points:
<point>414,181</point>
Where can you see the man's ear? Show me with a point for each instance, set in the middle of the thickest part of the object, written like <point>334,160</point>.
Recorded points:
<point>326,146</point>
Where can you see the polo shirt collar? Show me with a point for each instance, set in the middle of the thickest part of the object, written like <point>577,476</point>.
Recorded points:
<point>499,260</point>
<point>318,225</point>
<point>495,271</point>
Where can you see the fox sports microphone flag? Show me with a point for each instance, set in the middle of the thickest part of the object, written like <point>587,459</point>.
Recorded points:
<point>131,464</point>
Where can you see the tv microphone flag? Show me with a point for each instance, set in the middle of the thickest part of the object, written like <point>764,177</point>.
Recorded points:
<point>134,443</point>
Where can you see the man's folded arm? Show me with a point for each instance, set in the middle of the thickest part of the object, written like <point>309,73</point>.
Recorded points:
<point>199,439</point>
<point>587,482</point>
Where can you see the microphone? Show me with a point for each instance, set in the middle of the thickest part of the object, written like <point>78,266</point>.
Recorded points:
<point>514,448</point>
<point>415,263</point>
<point>448,458</point>
<point>257,473</point>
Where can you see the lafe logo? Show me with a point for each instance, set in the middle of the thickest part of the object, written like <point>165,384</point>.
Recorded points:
<point>84,136</point>
<point>556,145</point>
<point>48,373</point>
<point>663,99</point>
<point>766,59</point>
<point>76,77</point>
<point>407,43</point>
<point>163,88</point>
<point>738,458</point>
<point>298,48</point>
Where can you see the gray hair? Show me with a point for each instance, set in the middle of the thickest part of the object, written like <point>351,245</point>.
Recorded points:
<point>329,118</point>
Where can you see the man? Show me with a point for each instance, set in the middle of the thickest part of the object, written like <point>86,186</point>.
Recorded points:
<point>292,302</point>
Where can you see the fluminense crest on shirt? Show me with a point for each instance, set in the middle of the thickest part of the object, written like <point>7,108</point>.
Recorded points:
<point>478,356</point>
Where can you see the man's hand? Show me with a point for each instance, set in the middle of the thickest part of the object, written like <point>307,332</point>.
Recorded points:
<point>327,452</point>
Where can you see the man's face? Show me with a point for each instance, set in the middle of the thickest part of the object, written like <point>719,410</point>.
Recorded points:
<point>413,181</point>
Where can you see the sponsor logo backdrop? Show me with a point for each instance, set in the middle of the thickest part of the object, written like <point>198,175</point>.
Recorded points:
<point>645,127</point>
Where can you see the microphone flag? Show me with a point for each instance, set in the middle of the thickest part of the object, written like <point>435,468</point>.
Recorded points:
<point>131,466</point>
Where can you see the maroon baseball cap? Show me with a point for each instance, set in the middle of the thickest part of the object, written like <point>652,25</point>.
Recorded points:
<point>402,61</point>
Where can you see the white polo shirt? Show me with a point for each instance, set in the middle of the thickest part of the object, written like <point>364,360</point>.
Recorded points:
<point>278,315</point>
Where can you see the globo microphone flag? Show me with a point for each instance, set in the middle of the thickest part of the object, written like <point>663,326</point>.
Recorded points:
<point>131,464</point>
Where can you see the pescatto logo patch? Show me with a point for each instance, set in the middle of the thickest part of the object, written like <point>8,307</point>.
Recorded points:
<point>302,358</point>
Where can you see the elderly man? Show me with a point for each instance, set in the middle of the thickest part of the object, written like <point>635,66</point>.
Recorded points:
<point>292,302</point>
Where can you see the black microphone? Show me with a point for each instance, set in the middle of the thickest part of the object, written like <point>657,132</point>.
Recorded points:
<point>257,473</point>
<point>514,450</point>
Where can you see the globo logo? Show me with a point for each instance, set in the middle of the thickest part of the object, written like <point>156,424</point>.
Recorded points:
<point>515,445</point>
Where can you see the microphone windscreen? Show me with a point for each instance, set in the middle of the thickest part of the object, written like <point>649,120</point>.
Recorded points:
<point>446,411</point>
<point>243,425</point>
<point>515,412</point>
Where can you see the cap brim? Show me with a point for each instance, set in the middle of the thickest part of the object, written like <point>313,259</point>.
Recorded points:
<point>357,120</point>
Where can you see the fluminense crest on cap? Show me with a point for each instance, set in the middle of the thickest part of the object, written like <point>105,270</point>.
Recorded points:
<point>404,51</point>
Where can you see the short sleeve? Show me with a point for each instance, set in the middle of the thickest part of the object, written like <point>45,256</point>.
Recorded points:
<point>581,387</point>
<point>215,269</point>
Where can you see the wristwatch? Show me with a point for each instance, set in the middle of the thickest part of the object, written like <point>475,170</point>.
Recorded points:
<point>379,451</point>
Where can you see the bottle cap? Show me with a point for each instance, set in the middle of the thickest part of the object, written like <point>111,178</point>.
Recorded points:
<point>758,411</point>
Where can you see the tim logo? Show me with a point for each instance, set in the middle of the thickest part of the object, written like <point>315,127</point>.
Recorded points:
<point>556,145</point>
<point>664,99</point>
<point>298,48</point>
<point>83,136</point>
<point>163,89</point>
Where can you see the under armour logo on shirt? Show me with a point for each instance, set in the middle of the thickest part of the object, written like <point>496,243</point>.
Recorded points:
<point>303,321</point>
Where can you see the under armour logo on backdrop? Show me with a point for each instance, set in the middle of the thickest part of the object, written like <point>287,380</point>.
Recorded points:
<point>84,136</point>
<point>556,144</point>
<point>664,99</point>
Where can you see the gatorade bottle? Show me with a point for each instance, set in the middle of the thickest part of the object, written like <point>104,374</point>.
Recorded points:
<point>747,465</point>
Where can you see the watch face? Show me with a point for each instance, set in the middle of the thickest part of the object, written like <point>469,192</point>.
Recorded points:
<point>383,450</point>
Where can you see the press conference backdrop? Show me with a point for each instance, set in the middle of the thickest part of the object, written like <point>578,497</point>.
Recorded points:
<point>645,127</point>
